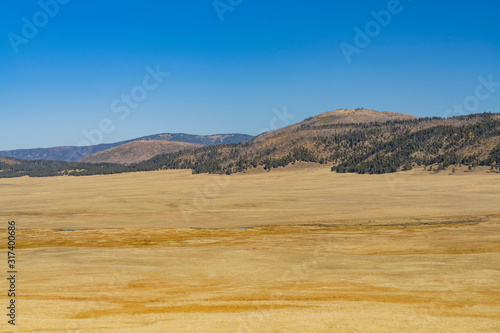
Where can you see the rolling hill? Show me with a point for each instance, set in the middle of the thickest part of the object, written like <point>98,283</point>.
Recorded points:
<point>74,153</point>
<point>137,151</point>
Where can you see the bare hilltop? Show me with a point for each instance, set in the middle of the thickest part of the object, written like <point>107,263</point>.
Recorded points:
<point>137,151</point>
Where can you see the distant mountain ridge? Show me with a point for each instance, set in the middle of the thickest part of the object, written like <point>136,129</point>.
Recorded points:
<point>75,153</point>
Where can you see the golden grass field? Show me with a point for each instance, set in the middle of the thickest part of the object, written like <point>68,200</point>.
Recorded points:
<point>294,250</point>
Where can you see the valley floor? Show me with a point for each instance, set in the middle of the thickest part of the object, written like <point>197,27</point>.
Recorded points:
<point>299,250</point>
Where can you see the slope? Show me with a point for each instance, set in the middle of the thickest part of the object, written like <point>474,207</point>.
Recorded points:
<point>137,151</point>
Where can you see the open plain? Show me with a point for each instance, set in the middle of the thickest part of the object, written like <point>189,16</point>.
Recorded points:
<point>299,249</point>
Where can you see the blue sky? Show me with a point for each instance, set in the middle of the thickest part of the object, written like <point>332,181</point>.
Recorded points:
<point>227,76</point>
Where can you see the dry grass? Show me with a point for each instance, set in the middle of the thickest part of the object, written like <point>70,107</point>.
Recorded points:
<point>177,199</point>
<point>322,252</point>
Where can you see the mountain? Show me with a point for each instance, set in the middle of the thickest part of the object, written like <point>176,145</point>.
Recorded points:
<point>358,141</point>
<point>74,154</point>
<point>361,141</point>
<point>336,118</point>
<point>137,151</point>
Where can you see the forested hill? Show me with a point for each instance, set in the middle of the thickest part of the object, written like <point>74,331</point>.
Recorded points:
<point>361,147</point>
<point>359,141</point>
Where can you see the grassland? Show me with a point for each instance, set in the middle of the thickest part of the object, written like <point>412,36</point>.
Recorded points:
<point>294,250</point>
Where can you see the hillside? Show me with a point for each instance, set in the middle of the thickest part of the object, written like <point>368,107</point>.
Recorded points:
<point>355,141</point>
<point>137,151</point>
<point>304,132</point>
<point>360,141</point>
<point>74,153</point>
<point>8,161</point>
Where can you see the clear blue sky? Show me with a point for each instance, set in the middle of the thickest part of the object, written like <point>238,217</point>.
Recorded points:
<point>228,76</point>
